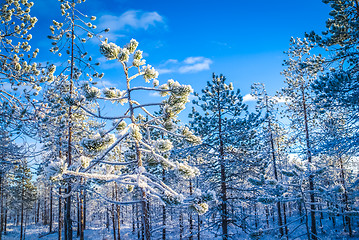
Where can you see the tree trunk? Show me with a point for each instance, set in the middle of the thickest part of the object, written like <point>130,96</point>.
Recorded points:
<point>181,224</point>
<point>133,219</point>
<point>22,214</point>
<point>190,214</point>
<point>280,223</point>
<point>60,216</point>
<point>82,213</point>
<point>5,219</point>
<point>1,205</point>
<point>51,209</point>
<point>68,220</point>
<point>113,216</point>
<point>163,211</point>
<point>311,176</point>
<point>223,174</point>
<point>78,216</point>
<point>118,211</point>
<point>138,223</point>
<point>38,211</point>
<point>85,203</point>
<point>285,219</point>
<point>198,227</point>
<point>346,203</point>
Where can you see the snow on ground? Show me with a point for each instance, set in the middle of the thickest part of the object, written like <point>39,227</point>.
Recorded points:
<point>99,232</point>
<point>42,232</point>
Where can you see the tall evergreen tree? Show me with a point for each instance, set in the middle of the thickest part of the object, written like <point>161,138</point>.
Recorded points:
<point>301,70</point>
<point>24,192</point>
<point>227,129</point>
<point>68,38</point>
<point>338,86</point>
<point>267,103</point>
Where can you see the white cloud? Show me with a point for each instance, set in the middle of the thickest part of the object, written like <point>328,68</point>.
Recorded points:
<point>164,70</point>
<point>249,98</point>
<point>171,61</point>
<point>190,64</point>
<point>105,83</point>
<point>192,60</point>
<point>132,19</point>
<point>155,94</point>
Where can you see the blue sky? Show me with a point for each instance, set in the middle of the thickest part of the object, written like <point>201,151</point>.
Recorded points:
<point>188,40</point>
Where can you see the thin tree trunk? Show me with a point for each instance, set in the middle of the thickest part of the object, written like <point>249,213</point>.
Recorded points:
<point>190,213</point>
<point>133,219</point>
<point>22,214</point>
<point>82,213</point>
<point>5,219</point>
<point>280,223</point>
<point>67,216</point>
<point>267,216</point>
<point>113,215</point>
<point>78,216</point>
<point>198,227</point>
<point>347,218</point>
<point>181,224</point>
<point>138,223</point>
<point>68,220</point>
<point>85,204</point>
<point>118,209</point>
<point>285,220</point>
<point>144,202</point>
<point>311,176</point>
<point>51,209</point>
<point>163,211</point>
<point>1,205</point>
<point>60,216</point>
<point>223,173</point>
<point>255,215</point>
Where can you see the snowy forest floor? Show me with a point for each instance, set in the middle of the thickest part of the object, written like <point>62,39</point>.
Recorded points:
<point>42,232</point>
<point>100,233</point>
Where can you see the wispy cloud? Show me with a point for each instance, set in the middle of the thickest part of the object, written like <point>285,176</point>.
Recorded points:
<point>130,20</point>
<point>249,98</point>
<point>188,65</point>
<point>105,83</point>
<point>221,44</point>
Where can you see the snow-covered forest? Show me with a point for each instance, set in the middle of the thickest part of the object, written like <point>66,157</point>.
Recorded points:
<point>159,160</point>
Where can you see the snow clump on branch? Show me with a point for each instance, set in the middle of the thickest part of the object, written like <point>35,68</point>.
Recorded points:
<point>98,143</point>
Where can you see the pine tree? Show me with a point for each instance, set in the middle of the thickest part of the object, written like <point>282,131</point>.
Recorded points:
<point>15,52</point>
<point>301,70</point>
<point>10,153</point>
<point>20,75</point>
<point>132,127</point>
<point>24,192</point>
<point>68,38</point>
<point>338,86</point>
<point>267,103</point>
<point>227,131</point>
